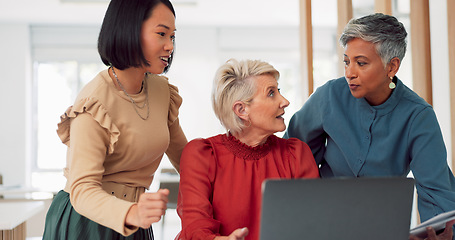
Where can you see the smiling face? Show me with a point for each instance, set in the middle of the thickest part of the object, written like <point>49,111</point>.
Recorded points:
<point>157,38</point>
<point>365,73</point>
<point>266,109</point>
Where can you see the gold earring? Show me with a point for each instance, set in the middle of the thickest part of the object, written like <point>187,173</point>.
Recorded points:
<point>392,84</point>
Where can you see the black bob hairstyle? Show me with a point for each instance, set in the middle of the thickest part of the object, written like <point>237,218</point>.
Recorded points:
<point>119,42</point>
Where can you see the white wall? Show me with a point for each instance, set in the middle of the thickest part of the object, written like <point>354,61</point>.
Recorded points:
<point>440,69</point>
<point>195,47</point>
<point>15,69</point>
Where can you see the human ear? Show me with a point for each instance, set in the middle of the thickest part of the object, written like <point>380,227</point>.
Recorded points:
<point>239,109</point>
<point>393,66</point>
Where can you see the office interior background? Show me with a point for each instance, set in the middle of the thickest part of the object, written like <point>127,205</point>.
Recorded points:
<point>48,52</point>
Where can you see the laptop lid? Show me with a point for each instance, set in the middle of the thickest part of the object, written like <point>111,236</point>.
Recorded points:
<point>337,208</point>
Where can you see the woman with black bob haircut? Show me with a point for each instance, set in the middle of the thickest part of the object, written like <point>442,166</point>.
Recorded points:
<point>118,129</point>
<point>119,42</point>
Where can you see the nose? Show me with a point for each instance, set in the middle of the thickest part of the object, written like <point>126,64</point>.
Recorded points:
<point>284,103</point>
<point>349,71</point>
<point>169,46</point>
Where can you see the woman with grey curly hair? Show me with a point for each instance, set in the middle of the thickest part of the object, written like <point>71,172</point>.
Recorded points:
<point>368,123</point>
<point>221,176</point>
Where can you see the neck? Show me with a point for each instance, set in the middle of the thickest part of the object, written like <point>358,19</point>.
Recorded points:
<point>381,99</point>
<point>130,78</point>
<point>251,139</point>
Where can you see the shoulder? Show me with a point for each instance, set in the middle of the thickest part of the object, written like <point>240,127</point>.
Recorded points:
<point>330,95</point>
<point>411,98</point>
<point>163,91</point>
<point>338,89</point>
<point>157,79</point>
<point>300,153</point>
<point>203,144</point>
<point>291,144</point>
<point>158,85</point>
<point>335,88</point>
<point>412,105</point>
<point>97,87</point>
<point>199,155</point>
<point>176,99</point>
<point>333,84</point>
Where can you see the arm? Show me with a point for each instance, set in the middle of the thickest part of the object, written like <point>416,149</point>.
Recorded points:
<point>195,190</point>
<point>86,155</point>
<point>435,182</point>
<point>307,124</point>
<point>177,137</point>
<point>149,209</point>
<point>304,164</point>
<point>238,234</point>
<point>176,144</point>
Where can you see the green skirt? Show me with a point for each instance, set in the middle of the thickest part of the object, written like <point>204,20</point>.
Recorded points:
<point>63,222</point>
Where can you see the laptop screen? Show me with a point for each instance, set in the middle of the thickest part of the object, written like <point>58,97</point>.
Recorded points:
<point>337,208</point>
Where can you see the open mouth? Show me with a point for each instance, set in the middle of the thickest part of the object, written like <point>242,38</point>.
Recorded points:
<point>165,60</point>
<point>280,116</point>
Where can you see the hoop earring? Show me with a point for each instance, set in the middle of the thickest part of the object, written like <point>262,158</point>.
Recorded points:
<point>392,85</point>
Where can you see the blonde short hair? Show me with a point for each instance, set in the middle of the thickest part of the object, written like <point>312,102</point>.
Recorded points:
<point>233,83</point>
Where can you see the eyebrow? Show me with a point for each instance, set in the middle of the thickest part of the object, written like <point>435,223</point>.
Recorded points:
<point>270,88</point>
<point>356,57</point>
<point>165,26</point>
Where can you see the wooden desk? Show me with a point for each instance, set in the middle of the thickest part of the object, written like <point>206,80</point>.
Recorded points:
<point>13,216</point>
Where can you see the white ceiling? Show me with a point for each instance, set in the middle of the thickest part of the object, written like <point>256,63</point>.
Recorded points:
<point>189,12</point>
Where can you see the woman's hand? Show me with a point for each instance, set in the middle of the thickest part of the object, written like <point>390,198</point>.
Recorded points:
<point>446,235</point>
<point>148,210</point>
<point>238,234</point>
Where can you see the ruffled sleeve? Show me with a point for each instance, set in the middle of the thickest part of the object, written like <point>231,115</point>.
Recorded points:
<point>194,201</point>
<point>302,157</point>
<point>174,104</point>
<point>99,114</point>
<point>177,137</point>
<point>92,134</point>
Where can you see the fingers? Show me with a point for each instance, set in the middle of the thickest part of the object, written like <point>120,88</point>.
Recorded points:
<point>448,231</point>
<point>239,234</point>
<point>447,234</point>
<point>151,206</point>
<point>162,194</point>
<point>449,225</point>
<point>431,234</point>
<point>412,237</point>
<point>164,191</point>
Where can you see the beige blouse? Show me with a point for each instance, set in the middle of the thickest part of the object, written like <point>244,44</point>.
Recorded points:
<point>110,146</point>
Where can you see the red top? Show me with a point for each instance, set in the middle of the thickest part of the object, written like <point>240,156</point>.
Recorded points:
<point>221,178</point>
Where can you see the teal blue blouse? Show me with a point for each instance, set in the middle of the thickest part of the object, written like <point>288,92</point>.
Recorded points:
<point>348,137</point>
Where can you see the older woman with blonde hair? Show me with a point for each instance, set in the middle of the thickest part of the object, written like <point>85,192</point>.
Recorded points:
<point>221,176</point>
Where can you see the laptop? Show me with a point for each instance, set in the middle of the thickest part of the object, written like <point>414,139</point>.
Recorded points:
<point>336,208</point>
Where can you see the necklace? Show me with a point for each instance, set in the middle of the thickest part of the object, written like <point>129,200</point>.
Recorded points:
<point>135,105</point>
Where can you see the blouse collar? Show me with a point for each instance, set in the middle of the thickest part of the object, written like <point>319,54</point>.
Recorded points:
<point>241,150</point>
